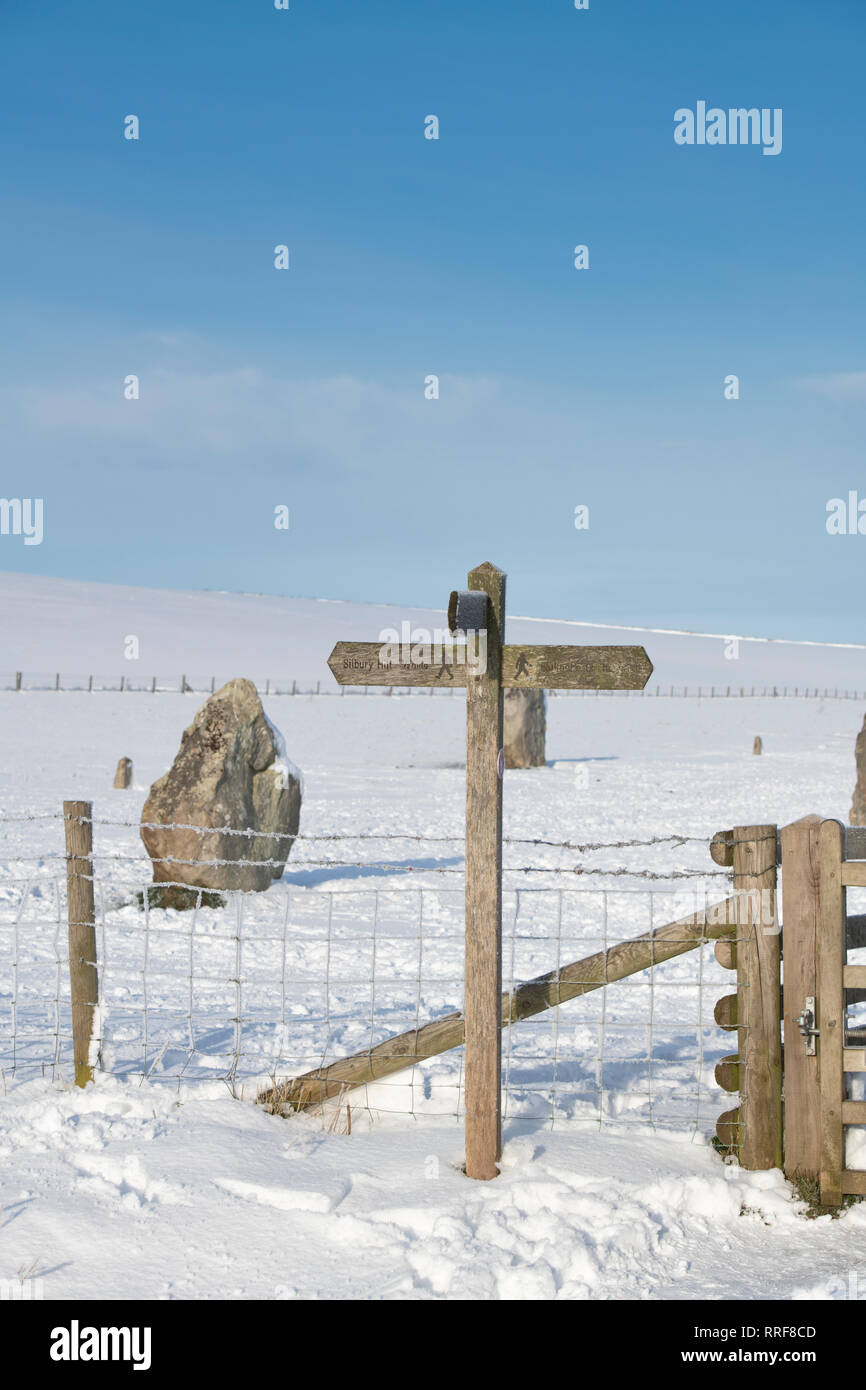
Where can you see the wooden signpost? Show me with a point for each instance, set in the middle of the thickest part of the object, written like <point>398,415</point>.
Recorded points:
<point>484,665</point>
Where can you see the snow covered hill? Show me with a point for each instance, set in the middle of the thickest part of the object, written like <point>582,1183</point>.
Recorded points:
<point>50,625</point>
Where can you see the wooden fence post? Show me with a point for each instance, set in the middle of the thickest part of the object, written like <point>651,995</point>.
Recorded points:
<point>83,977</point>
<point>759,1032</point>
<point>483,988</point>
<point>801,870</point>
<point>729,1128</point>
<point>832,947</point>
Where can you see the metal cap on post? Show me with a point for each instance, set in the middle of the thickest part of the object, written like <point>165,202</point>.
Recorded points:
<point>468,611</point>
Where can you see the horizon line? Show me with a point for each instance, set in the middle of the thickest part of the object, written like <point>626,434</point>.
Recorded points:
<point>424,608</point>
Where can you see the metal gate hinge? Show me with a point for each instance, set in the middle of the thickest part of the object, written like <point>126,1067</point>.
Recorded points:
<point>806,1025</point>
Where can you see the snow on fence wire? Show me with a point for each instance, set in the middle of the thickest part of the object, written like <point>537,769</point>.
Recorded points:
<point>285,685</point>
<point>272,986</point>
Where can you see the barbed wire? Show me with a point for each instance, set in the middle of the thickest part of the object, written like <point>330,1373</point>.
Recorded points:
<point>29,816</point>
<point>674,840</point>
<point>390,866</point>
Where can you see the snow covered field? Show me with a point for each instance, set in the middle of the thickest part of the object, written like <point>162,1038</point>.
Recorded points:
<point>78,628</point>
<point>170,1187</point>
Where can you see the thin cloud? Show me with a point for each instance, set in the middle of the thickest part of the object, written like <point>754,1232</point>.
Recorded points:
<point>840,386</point>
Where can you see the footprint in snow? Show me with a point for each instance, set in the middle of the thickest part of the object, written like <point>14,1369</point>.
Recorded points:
<point>280,1198</point>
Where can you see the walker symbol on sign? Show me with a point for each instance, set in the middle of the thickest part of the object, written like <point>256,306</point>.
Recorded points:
<point>481,608</point>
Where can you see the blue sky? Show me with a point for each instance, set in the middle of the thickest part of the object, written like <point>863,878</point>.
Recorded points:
<point>410,257</point>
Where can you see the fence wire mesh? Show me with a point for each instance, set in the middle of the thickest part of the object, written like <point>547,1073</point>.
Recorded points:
<point>269,986</point>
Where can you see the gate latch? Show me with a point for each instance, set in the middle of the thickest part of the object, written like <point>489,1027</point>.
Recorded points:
<point>806,1025</point>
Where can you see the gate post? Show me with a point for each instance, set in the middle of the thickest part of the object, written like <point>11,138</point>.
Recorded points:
<point>754,1129</point>
<point>831,1011</point>
<point>801,878</point>
<point>759,1024</point>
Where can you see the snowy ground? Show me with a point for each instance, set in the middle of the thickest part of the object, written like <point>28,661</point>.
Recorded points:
<point>144,1188</point>
<point>121,1192</point>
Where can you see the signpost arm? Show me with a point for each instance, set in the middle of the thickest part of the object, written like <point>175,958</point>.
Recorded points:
<point>484,891</point>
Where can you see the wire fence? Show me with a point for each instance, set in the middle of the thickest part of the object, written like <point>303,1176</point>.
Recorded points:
<point>271,985</point>
<point>284,685</point>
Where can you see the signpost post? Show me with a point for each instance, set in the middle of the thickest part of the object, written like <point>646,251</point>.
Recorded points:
<point>484,666</point>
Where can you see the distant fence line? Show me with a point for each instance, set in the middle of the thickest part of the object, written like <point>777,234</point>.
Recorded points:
<point>282,685</point>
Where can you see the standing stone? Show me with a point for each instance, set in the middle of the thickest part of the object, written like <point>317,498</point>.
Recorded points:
<point>857,814</point>
<point>758,745</point>
<point>123,775</point>
<point>231,774</point>
<point>525,728</point>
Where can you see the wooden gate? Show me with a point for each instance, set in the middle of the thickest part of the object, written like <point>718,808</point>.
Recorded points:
<point>821,860</point>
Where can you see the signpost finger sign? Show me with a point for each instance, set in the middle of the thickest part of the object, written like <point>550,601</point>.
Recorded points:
<point>476,657</point>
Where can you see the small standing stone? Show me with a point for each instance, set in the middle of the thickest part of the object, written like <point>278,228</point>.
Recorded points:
<point>525,728</point>
<point>857,815</point>
<point>758,746</point>
<point>123,775</point>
